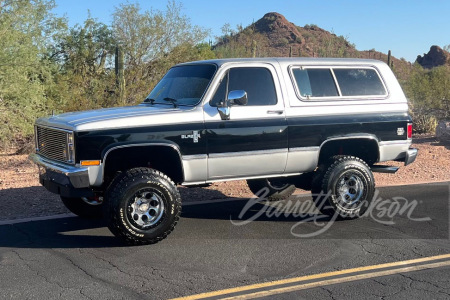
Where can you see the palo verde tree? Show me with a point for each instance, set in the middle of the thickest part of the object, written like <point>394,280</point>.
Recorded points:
<point>148,37</point>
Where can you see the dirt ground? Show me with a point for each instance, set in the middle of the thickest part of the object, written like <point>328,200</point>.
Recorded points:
<point>21,195</point>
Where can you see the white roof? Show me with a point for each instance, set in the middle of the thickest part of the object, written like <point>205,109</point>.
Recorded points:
<point>286,61</point>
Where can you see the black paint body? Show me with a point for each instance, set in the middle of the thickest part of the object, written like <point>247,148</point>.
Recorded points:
<point>244,135</point>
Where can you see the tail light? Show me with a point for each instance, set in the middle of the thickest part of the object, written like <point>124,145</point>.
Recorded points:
<point>409,131</point>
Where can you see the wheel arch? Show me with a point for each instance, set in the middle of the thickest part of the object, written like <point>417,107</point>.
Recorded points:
<point>152,155</point>
<point>365,147</point>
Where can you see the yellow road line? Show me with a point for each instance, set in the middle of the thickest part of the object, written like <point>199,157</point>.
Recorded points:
<point>310,277</point>
<point>337,280</point>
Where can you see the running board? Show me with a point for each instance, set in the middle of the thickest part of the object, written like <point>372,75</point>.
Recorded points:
<point>384,169</point>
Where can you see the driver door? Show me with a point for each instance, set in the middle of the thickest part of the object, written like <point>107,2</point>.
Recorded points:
<point>254,141</point>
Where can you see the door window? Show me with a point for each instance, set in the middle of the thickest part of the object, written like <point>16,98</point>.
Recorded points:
<point>257,82</point>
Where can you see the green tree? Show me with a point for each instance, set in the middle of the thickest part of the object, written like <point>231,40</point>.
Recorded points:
<point>148,39</point>
<point>85,55</point>
<point>26,74</point>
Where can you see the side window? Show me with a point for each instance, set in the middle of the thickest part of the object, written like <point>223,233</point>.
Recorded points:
<point>257,82</point>
<point>359,82</point>
<point>315,83</point>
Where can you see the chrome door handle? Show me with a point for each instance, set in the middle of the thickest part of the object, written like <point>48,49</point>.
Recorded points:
<point>275,112</point>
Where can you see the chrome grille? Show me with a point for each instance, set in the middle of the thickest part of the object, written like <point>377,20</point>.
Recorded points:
<point>52,143</point>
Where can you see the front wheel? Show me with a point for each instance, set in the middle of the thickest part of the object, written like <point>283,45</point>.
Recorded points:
<point>345,186</point>
<point>277,188</point>
<point>143,206</point>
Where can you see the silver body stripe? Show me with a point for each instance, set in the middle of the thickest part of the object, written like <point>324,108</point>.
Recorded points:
<point>242,178</point>
<point>391,150</point>
<point>247,153</point>
<point>256,164</point>
<point>303,159</point>
<point>303,149</point>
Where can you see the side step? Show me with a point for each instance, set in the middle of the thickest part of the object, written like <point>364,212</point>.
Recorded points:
<point>384,169</point>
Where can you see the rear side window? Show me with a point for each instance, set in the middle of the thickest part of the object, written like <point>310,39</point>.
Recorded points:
<point>315,83</point>
<point>320,83</point>
<point>359,82</point>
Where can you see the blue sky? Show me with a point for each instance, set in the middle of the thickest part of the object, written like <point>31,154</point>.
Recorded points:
<point>408,28</point>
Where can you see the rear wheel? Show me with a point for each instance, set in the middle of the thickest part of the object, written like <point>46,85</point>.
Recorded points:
<point>143,206</point>
<point>345,186</point>
<point>277,188</point>
<point>89,208</point>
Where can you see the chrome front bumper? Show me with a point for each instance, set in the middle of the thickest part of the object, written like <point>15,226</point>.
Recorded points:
<point>60,174</point>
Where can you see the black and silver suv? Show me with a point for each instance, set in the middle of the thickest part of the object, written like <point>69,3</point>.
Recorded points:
<point>321,124</point>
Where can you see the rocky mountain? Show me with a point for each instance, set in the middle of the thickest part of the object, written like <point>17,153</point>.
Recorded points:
<point>434,58</point>
<point>287,38</point>
<point>273,35</point>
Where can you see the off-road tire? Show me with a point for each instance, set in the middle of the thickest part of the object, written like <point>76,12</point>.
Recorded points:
<point>277,189</point>
<point>343,186</point>
<point>82,208</point>
<point>128,192</point>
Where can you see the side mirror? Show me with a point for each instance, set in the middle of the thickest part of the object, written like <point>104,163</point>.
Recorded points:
<point>238,97</point>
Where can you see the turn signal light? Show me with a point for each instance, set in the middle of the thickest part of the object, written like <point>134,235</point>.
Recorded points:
<point>90,163</point>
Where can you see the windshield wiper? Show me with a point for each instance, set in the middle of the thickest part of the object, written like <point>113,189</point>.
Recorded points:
<point>151,100</point>
<point>173,101</point>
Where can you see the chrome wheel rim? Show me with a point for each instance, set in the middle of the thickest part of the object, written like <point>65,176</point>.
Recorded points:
<point>145,209</point>
<point>350,189</point>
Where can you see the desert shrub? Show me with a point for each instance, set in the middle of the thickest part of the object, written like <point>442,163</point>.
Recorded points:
<point>429,96</point>
<point>425,124</point>
<point>428,91</point>
<point>283,42</point>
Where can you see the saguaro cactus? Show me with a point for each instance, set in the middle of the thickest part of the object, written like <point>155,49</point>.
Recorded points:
<point>120,78</point>
<point>253,48</point>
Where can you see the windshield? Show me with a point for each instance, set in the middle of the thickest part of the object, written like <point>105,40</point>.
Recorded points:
<point>182,85</point>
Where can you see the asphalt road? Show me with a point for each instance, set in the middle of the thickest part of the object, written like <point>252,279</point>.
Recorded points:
<point>236,243</point>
